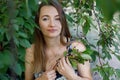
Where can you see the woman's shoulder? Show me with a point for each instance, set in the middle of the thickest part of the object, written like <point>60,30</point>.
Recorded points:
<point>78,45</point>
<point>30,53</point>
<point>30,49</point>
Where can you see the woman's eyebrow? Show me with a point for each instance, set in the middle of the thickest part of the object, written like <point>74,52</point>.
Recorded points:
<point>48,16</point>
<point>57,16</point>
<point>44,16</point>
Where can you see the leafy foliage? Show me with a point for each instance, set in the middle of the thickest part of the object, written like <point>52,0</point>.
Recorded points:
<point>17,26</point>
<point>77,57</point>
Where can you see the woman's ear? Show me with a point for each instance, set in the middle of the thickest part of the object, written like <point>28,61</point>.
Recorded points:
<point>79,46</point>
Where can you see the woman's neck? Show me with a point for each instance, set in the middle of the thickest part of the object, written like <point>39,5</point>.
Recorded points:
<point>52,42</point>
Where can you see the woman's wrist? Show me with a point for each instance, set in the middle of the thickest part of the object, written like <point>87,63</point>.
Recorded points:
<point>76,77</point>
<point>73,77</point>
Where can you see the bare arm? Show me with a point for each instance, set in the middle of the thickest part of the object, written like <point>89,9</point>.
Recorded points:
<point>29,64</point>
<point>29,68</point>
<point>65,68</point>
<point>84,71</point>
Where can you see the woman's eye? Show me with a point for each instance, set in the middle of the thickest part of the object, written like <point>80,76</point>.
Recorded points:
<point>45,19</point>
<point>57,18</point>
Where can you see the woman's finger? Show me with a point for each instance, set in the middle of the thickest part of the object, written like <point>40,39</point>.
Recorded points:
<point>68,62</point>
<point>51,64</point>
<point>51,74</point>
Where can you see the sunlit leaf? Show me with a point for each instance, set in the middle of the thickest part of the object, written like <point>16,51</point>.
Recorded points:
<point>86,56</point>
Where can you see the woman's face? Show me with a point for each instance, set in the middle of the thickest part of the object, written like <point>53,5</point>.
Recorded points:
<point>49,21</point>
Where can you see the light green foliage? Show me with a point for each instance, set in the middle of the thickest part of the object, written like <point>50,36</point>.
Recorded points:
<point>77,57</point>
<point>98,15</point>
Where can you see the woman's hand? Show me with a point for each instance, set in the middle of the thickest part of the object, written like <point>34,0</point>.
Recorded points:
<point>48,75</point>
<point>51,64</point>
<point>78,46</point>
<point>64,68</point>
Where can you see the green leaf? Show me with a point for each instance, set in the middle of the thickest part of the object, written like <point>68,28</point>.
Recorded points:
<point>65,53</point>
<point>108,9</point>
<point>69,18</point>
<point>2,30</point>
<point>24,43</point>
<point>73,63</point>
<point>1,64</point>
<point>44,1</point>
<point>94,55</point>
<point>1,38</point>
<point>88,51</point>
<point>22,34</point>
<point>5,61</point>
<point>76,3</point>
<point>29,27</point>
<point>8,36</point>
<point>82,21</point>
<point>16,27</point>
<point>4,77</point>
<point>5,57</point>
<point>32,23</point>
<point>20,21</point>
<point>21,52</point>
<point>4,69</point>
<point>86,27</point>
<point>23,11</point>
<point>33,3</point>
<point>84,1</point>
<point>16,41</point>
<point>28,10</point>
<point>118,73</point>
<point>17,69</point>
<point>86,56</point>
<point>118,56</point>
<point>5,20</point>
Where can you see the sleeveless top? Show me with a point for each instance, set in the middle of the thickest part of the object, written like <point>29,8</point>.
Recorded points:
<point>58,76</point>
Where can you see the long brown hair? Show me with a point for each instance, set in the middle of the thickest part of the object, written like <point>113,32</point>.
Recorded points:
<point>40,44</point>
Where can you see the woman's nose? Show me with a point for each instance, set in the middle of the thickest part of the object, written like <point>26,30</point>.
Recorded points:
<point>52,23</point>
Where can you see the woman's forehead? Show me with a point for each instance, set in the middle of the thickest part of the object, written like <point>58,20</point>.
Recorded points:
<point>46,10</point>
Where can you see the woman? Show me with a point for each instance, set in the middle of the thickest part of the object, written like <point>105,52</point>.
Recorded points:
<point>45,58</point>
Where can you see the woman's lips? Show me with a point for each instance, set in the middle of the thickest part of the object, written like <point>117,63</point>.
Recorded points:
<point>52,30</point>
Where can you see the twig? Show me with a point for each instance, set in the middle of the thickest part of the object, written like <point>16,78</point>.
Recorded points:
<point>100,31</point>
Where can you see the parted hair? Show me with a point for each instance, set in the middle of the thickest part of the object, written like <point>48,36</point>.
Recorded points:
<point>40,44</point>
